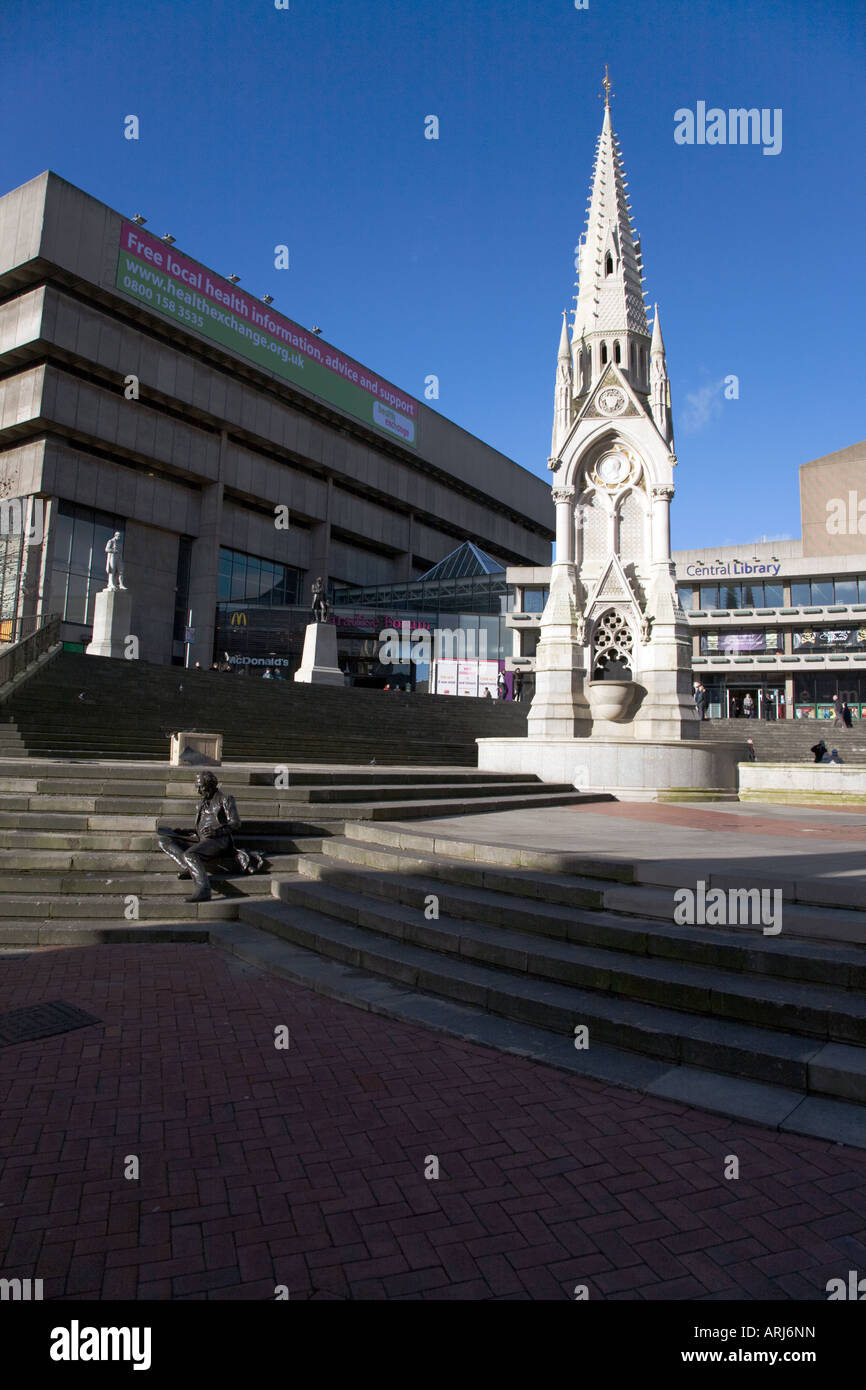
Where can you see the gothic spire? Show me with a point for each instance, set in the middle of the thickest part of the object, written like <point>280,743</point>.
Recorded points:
<point>658,342</point>
<point>564,392</point>
<point>610,268</point>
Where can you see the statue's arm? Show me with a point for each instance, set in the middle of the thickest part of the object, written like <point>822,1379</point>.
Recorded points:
<point>231,811</point>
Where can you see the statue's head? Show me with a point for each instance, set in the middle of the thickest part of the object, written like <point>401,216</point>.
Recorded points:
<point>206,784</point>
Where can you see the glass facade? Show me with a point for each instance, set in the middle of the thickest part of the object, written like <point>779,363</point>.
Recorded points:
<point>78,563</point>
<point>738,596</point>
<point>248,579</point>
<point>479,593</point>
<point>819,593</point>
<point>813,695</point>
<point>181,596</point>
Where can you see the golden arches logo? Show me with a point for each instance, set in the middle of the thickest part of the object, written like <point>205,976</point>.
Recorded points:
<point>239,619</point>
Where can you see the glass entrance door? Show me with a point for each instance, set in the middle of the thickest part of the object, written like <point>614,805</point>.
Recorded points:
<point>753,701</point>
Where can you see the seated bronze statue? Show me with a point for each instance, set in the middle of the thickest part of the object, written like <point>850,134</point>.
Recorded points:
<point>211,839</point>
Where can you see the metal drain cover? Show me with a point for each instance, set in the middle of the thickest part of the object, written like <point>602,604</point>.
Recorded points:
<point>42,1021</point>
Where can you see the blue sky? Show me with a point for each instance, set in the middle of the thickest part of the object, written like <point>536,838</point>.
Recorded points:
<point>455,257</point>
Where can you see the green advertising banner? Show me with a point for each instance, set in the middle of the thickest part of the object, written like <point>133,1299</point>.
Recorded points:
<point>185,292</point>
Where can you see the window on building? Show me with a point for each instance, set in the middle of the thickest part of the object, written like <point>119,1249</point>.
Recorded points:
<point>846,591</point>
<point>258,583</point>
<point>78,566</point>
<point>603,353</point>
<point>608,265</point>
<point>822,591</point>
<point>181,593</point>
<point>742,596</point>
<point>534,600</point>
<point>617,352</point>
<point>685,595</point>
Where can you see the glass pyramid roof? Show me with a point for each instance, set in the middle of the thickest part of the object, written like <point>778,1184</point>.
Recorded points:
<point>462,563</point>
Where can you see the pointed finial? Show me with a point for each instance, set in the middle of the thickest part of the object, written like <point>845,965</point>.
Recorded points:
<point>607,84</point>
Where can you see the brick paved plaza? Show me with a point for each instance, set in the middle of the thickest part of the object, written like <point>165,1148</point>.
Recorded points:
<point>305,1167</point>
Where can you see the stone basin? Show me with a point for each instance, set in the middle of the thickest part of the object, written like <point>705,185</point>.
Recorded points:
<point>611,699</point>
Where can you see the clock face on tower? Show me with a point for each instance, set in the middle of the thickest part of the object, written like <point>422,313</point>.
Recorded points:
<point>611,400</point>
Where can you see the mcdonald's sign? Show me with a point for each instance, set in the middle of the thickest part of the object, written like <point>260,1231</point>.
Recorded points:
<point>239,619</point>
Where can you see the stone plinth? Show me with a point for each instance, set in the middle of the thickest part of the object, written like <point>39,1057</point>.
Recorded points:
<point>319,662</point>
<point>190,748</point>
<point>112,623</point>
<point>631,770</point>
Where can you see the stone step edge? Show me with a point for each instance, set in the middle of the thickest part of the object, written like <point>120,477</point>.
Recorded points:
<point>806,952</point>
<point>666,971</point>
<point>663,1033</point>
<point>770,1107</point>
<point>614,897</point>
<point>622,871</point>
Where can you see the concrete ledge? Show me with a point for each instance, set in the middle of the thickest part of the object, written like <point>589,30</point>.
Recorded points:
<point>634,771</point>
<point>803,782</point>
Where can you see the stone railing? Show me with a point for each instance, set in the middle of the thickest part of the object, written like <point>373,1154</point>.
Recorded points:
<point>18,657</point>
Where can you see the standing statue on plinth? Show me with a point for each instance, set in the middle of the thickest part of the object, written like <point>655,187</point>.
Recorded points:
<point>320,606</point>
<point>114,562</point>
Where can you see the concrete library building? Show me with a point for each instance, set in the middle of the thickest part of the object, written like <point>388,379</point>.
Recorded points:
<point>239,455</point>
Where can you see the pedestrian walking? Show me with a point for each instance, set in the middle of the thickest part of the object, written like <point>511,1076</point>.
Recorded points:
<point>501,686</point>
<point>517,685</point>
<point>701,699</point>
<point>838,721</point>
<point>748,706</point>
<point>847,716</point>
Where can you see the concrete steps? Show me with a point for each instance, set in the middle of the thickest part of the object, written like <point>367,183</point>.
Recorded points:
<point>788,740</point>
<point>760,1027</point>
<point>78,841</point>
<point>129,708</point>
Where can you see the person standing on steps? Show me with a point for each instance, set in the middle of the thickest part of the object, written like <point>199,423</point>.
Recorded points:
<point>748,706</point>
<point>517,685</point>
<point>838,721</point>
<point>501,686</point>
<point>216,818</point>
<point>701,698</point>
<point>847,716</point>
